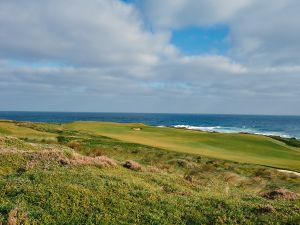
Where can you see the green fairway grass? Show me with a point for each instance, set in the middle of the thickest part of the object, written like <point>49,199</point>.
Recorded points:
<point>23,130</point>
<point>246,148</point>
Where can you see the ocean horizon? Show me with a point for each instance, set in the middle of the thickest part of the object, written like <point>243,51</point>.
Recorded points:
<point>278,125</point>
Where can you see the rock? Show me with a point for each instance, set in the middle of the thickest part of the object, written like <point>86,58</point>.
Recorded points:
<point>281,194</point>
<point>129,164</point>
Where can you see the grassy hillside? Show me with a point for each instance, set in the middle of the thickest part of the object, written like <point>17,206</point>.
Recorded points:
<point>91,173</point>
<point>24,130</point>
<point>237,147</point>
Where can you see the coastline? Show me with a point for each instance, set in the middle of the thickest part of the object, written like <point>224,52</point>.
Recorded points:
<point>214,129</point>
<point>283,126</point>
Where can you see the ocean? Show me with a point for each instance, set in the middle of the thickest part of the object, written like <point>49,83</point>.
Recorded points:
<point>285,126</point>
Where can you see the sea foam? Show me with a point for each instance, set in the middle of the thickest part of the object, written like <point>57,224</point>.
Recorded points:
<point>221,129</point>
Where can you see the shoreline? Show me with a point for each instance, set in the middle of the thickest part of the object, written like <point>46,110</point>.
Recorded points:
<point>208,129</point>
<point>211,129</point>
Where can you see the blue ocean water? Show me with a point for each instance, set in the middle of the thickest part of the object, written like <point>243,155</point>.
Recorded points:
<point>286,126</point>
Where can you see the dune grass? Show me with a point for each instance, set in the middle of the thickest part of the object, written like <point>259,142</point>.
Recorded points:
<point>49,192</point>
<point>63,181</point>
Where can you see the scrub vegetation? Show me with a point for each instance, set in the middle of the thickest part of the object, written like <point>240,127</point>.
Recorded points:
<point>108,173</point>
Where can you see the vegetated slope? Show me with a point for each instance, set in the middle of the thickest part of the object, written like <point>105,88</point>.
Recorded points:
<point>24,130</point>
<point>289,141</point>
<point>82,180</point>
<point>246,148</point>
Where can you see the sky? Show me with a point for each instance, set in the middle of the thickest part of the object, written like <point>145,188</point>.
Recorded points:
<point>171,56</point>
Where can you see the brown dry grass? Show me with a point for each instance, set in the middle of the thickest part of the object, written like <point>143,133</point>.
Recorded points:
<point>86,160</point>
<point>74,145</point>
<point>49,153</point>
<point>97,152</point>
<point>153,169</point>
<point>233,179</point>
<point>72,158</point>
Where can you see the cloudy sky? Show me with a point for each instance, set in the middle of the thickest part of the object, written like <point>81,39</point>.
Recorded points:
<point>189,56</point>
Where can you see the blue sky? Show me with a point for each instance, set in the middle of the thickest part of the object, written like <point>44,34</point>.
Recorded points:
<point>189,56</point>
<point>202,40</point>
<point>193,40</point>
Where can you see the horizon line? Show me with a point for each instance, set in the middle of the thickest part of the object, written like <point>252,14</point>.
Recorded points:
<point>175,113</point>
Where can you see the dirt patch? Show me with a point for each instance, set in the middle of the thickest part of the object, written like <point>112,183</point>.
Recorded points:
<point>132,165</point>
<point>281,194</point>
<point>188,177</point>
<point>136,128</point>
<point>266,209</point>
<point>289,172</point>
<point>16,216</point>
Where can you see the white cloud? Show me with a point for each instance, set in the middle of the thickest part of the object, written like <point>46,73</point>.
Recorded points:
<point>267,33</point>
<point>77,32</point>
<point>168,14</point>
<point>264,33</point>
<point>100,56</point>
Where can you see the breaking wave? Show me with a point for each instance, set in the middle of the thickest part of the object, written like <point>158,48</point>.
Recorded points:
<point>220,129</point>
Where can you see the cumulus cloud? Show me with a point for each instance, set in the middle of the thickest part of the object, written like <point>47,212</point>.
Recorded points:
<point>108,55</point>
<point>261,32</point>
<point>267,34</point>
<point>180,13</point>
<point>77,32</point>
